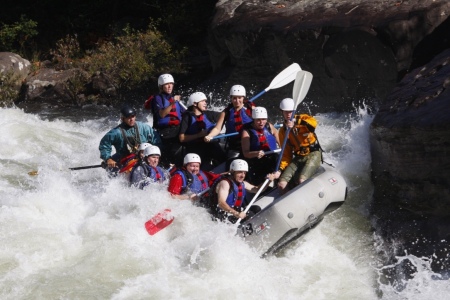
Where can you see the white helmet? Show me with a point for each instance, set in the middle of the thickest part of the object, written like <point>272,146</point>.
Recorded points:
<point>195,98</point>
<point>152,150</point>
<point>143,146</point>
<point>287,104</point>
<point>190,158</point>
<point>239,165</point>
<point>237,90</point>
<point>259,113</point>
<point>165,78</point>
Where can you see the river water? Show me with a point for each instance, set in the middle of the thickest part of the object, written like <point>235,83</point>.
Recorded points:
<point>80,235</point>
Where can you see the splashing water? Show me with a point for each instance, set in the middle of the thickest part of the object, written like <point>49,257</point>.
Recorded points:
<point>80,235</point>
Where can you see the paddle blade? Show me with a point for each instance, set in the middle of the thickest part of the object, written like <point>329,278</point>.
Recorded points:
<point>159,221</point>
<point>301,86</point>
<point>286,76</point>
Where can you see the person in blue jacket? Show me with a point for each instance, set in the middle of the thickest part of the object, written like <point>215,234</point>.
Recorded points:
<point>167,112</point>
<point>125,138</point>
<point>259,140</point>
<point>196,123</point>
<point>147,170</point>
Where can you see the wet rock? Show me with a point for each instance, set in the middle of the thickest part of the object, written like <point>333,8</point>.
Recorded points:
<point>355,49</point>
<point>410,140</point>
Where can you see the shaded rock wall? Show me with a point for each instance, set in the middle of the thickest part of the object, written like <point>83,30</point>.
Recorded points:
<point>355,49</point>
<point>410,139</point>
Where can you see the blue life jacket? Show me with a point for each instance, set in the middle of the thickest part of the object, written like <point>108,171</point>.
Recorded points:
<point>245,114</point>
<point>155,173</point>
<point>196,183</point>
<point>173,118</point>
<point>195,125</point>
<point>233,193</point>
<point>255,139</point>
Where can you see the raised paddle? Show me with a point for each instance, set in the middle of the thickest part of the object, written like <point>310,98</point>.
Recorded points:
<point>301,87</point>
<point>284,77</point>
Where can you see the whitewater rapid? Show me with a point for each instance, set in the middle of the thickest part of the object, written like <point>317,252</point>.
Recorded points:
<point>80,235</point>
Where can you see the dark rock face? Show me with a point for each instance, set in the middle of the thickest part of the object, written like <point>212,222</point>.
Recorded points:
<point>410,139</point>
<point>355,49</point>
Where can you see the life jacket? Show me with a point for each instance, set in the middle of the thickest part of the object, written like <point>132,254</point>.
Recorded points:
<point>155,173</point>
<point>235,120</point>
<point>173,118</point>
<point>236,195</point>
<point>198,123</point>
<point>128,162</point>
<point>261,139</point>
<point>302,137</point>
<point>131,142</point>
<point>196,183</point>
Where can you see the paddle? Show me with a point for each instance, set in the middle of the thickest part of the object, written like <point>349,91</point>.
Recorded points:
<point>182,104</point>
<point>160,221</point>
<point>301,87</point>
<point>284,77</point>
<point>102,165</point>
<point>236,133</point>
<point>163,219</point>
<point>263,186</point>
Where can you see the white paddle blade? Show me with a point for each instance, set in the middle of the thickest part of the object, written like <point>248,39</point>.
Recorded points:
<point>301,86</point>
<point>286,76</point>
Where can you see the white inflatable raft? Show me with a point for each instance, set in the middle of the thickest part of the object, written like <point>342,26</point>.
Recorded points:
<point>285,217</point>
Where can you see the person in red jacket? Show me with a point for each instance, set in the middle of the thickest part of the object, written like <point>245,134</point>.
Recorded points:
<point>187,182</point>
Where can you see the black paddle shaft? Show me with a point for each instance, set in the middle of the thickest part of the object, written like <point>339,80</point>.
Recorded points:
<point>87,167</point>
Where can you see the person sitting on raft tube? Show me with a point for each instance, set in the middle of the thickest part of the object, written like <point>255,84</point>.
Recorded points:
<point>147,170</point>
<point>303,155</point>
<point>126,138</point>
<point>167,112</point>
<point>229,191</point>
<point>234,116</point>
<point>189,181</point>
<point>196,123</point>
<point>257,138</point>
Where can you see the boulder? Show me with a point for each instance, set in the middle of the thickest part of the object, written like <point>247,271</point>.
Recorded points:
<point>14,63</point>
<point>410,141</point>
<point>55,88</point>
<point>355,49</point>
<point>65,88</point>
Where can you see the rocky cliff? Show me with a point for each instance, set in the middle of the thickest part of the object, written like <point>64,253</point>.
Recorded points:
<point>355,49</point>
